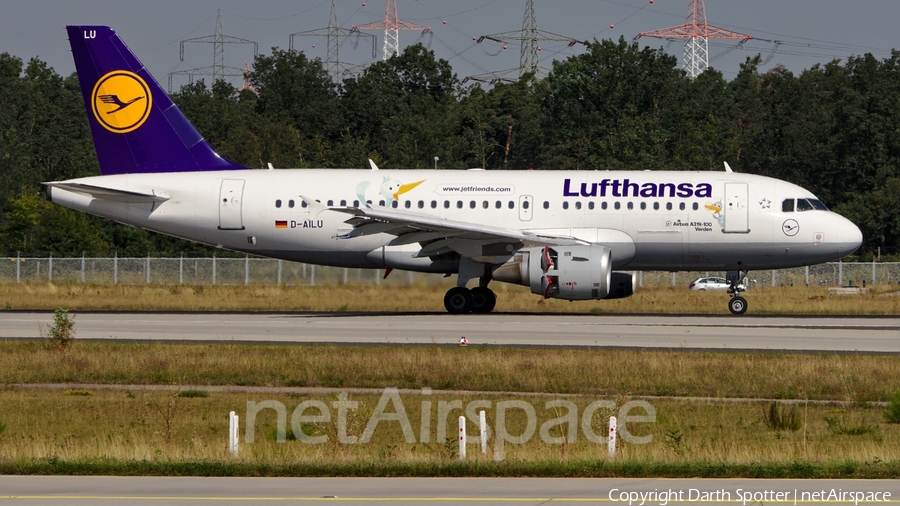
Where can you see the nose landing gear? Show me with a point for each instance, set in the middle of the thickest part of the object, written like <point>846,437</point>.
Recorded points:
<point>737,304</point>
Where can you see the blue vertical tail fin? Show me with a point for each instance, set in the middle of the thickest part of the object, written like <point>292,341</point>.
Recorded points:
<point>135,125</point>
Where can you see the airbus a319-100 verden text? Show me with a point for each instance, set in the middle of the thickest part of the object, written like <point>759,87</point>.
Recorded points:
<point>573,235</point>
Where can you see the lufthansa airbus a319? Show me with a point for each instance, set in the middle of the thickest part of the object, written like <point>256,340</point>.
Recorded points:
<point>574,235</point>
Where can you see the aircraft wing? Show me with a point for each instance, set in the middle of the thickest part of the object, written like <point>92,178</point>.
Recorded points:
<point>439,236</point>
<point>112,194</point>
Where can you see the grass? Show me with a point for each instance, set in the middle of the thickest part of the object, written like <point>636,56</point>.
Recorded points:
<point>422,297</point>
<point>840,377</point>
<point>47,426</point>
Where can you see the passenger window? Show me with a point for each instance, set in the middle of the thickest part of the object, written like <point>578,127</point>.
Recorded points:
<point>434,204</point>
<point>803,205</point>
<point>459,204</point>
<point>656,206</point>
<point>512,205</point>
<point>695,206</point>
<point>617,205</point>
<point>668,206</point>
<point>446,204</point>
<point>681,206</point>
<point>787,206</point>
<point>498,204</point>
<point>485,205</point>
<point>408,204</point>
<point>546,205</point>
<point>525,204</point>
<point>421,204</point>
<point>330,203</point>
<point>355,203</point>
<point>565,205</point>
<point>367,202</point>
<point>278,203</point>
<point>643,206</point>
<point>630,205</point>
<point>603,205</point>
<point>578,205</point>
<point>303,204</point>
<point>291,204</point>
<point>381,203</point>
<point>471,204</point>
<point>591,205</point>
<point>394,204</point>
<point>344,203</point>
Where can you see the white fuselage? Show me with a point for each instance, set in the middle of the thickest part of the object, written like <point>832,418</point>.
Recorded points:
<point>650,220</point>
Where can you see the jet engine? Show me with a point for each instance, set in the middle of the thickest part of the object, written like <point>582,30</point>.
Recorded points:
<point>567,272</point>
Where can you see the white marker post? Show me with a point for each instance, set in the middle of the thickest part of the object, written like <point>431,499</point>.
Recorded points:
<point>233,427</point>
<point>462,438</point>
<point>612,437</point>
<point>482,425</point>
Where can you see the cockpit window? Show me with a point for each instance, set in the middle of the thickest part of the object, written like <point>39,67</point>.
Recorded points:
<point>787,206</point>
<point>804,205</point>
<point>818,205</point>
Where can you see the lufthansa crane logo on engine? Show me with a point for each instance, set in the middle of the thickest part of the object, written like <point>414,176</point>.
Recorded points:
<point>121,101</point>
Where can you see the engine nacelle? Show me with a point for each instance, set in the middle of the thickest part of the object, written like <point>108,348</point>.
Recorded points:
<point>621,285</point>
<point>561,272</point>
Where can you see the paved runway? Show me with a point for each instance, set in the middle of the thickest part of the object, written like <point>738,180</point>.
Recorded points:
<point>865,334</point>
<point>90,490</point>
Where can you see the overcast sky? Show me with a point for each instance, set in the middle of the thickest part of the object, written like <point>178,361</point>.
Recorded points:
<point>810,31</point>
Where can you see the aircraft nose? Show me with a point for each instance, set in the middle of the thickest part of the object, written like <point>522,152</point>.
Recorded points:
<point>849,236</point>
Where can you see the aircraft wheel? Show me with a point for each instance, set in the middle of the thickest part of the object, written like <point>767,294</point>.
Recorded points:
<point>483,300</point>
<point>458,300</point>
<point>737,305</point>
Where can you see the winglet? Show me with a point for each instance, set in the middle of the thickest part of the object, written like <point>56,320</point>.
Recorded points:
<point>728,167</point>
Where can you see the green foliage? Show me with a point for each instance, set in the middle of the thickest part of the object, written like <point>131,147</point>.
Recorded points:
<point>62,332</point>
<point>193,393</point>
<point>780,417</point>
<point>78,393</point>
<point>2,428</point>
<point>892,412</point>
<point>831,128</point>
<point>837,427</point>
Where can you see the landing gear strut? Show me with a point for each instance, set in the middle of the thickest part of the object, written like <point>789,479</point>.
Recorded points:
<point>737,304</point>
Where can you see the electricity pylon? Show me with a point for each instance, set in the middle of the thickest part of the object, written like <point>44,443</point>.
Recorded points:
<point>696,33</point>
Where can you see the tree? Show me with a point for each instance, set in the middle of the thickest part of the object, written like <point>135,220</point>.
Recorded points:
<point>610,108</point>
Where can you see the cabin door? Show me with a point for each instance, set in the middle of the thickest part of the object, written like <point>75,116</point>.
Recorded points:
<point>230,202</point>
<point>737,218</point>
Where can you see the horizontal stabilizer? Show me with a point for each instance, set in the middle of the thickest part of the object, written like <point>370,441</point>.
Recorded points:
<point>110,194</point>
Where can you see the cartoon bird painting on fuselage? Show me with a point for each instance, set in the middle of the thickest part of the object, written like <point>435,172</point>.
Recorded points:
<point>390,189</point>
<point>718,212</point>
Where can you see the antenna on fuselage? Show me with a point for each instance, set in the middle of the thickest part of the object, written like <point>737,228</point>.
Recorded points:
<point>372,164</point>
<point>728,167</point>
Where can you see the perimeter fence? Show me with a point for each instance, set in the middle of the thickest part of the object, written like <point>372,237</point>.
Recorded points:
<point>266,271</point>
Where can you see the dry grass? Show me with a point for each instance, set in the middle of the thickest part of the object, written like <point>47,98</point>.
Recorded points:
<point>843,377</point>
<point>75,296</point>
<point>122,426</point>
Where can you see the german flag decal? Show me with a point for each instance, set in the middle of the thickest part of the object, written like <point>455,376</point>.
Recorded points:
<point>280,224</point>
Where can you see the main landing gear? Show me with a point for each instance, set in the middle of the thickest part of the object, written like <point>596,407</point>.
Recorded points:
<point>480,299</point>
<point>737,304</point>
<point>460,299</point>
